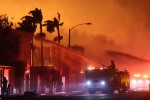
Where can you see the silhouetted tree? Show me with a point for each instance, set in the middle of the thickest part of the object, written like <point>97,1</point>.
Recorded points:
<point>5,24</point>
<point>27,24</point>
<point>54,24</point>
<point>9,41</point>
<point>37,18</point>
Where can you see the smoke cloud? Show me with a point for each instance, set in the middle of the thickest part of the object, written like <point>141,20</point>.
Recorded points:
<point>117,25</point>
<point>122,27</point>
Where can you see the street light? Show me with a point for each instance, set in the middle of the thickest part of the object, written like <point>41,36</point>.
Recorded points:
<point>76,26</point>
<point>69,41</point>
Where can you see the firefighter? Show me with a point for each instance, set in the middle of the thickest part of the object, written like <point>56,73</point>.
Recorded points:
<point>8,90</point>
<point>113,65</point>
<point>4,88</point>
<point>59,85</point>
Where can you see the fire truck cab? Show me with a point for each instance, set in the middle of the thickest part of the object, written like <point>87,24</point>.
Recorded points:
<point>107,80</point>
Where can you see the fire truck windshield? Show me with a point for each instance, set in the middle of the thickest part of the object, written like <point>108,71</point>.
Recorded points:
<point>95,74</point>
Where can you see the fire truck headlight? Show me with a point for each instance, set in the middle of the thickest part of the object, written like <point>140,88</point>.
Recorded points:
<point>102,82</point>
<point>88,82</point>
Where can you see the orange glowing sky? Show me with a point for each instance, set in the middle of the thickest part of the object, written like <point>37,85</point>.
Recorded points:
<point>119,25</point>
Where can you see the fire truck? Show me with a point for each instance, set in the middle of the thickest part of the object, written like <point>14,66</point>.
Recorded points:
<point>107,79</point>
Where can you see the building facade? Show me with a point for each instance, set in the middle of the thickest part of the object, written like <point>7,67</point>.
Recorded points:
<point>47,67</point>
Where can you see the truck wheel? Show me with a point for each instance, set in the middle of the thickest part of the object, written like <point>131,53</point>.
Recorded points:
<point>92,91</point>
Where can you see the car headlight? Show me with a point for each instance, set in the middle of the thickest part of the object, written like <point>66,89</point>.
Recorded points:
<point>102,82</point>
<point>88,82</point>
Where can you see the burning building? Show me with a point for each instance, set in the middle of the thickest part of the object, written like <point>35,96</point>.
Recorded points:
<point>46,67</point>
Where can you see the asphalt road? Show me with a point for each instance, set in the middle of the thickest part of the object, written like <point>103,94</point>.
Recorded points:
<point>86,96</point>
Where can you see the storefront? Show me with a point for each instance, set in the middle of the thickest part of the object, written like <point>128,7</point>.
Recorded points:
<point>8,72</point>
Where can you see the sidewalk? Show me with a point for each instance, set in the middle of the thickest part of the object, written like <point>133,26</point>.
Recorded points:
<point>32,95</point>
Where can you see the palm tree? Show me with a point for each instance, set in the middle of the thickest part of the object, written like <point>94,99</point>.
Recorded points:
<point>37,18</point>
<point>27,24</point>
<point>52,24</point>
<point>50,28</point>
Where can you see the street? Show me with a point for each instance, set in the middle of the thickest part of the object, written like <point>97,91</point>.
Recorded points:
<point>86,96</point>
